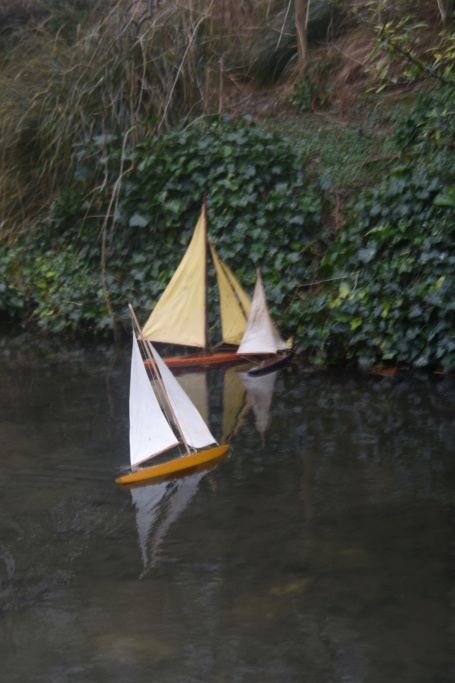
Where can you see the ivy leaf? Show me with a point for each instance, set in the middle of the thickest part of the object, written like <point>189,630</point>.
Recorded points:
<point>446,198</point>
<point>355,323</point>
<point>367,255</point>
<point>138,221</point>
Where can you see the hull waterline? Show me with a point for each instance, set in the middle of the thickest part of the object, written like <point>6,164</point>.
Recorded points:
<point>271,364</point>
<point>176,466</point>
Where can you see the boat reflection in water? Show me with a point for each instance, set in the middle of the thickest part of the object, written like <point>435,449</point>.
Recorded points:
<point>158,505</point>
<point>157,508</point>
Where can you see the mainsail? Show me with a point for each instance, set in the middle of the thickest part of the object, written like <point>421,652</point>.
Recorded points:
<point>261,335</point>
<point>150,432</point>
<point>193,427</point>
<point>179,317</point>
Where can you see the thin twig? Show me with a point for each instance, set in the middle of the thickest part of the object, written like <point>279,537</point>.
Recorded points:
<point>179,70</point>
<point>114,198</point>
<point>284,24</point>
<point>330,279</point>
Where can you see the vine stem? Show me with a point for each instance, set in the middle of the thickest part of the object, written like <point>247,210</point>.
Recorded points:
<point>114,199</point>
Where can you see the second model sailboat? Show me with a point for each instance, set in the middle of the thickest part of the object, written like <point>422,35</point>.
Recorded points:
<point>181,317</point>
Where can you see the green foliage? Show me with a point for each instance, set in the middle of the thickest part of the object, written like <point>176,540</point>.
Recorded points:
<point>410,45</point>
<point>430,124</point>
<point>351,153</point>
<point>307,95</point>
<point>12,297</point>
<point>260,209</point>
<point>387,285</point>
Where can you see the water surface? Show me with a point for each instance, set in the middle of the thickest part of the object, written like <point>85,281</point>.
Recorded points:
<point>321,550</point>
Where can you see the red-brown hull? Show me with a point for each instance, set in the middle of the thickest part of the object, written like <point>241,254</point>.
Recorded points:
<point>202,359</point>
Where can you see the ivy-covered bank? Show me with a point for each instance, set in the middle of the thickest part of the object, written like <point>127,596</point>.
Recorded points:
<point>379,291</point>
<point>386,285</point>
<point>118,233</point>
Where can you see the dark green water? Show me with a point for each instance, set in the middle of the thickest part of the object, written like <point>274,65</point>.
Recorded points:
<point>321,551</point>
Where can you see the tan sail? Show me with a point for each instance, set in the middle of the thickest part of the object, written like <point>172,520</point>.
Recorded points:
<point>180,315</point>
<point>234,302</point>
<point>243,297</point>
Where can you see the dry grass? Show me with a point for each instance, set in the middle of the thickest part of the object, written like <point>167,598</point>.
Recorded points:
<point>124,71</point>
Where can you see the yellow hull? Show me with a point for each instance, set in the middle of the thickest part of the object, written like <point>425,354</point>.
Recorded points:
<point>175,467</point>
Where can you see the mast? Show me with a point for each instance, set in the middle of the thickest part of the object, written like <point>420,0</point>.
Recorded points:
<point>153,365</point>
<point>206,276</point>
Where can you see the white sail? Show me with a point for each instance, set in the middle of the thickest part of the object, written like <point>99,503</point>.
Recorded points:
<point>150,432</point>
<point>261,335</point>
<point>193,427</point>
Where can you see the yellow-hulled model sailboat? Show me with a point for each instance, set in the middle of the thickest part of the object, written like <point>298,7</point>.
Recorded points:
<point>151,433</point>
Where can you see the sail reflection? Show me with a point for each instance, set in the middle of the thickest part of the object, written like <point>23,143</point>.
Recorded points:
<point>260,389</point>
<point>157,508</point>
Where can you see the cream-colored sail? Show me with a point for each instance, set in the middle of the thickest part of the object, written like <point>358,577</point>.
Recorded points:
<point>233,312</point>
<point>179,317</point>
<point>150,432</point>
<point>193,427</point>
<point>261,335</point>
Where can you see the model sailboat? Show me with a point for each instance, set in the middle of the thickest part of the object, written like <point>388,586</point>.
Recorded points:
<point>261,337</point>
<point>180,316</point>
<point>151,432</point>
